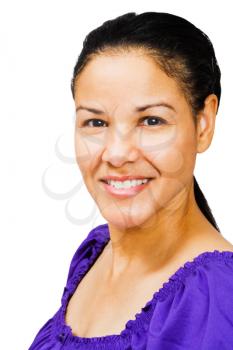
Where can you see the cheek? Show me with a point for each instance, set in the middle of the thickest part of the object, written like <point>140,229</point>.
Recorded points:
<point>87,148</point>
<point>171,152</point>
<point>170,161</point>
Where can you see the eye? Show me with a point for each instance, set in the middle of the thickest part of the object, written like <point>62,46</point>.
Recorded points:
<point>97,122</point>
<point>155,121</point>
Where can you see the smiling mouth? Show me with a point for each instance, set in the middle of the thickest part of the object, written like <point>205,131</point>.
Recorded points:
<point>126,183</point>
<point>125,189</point>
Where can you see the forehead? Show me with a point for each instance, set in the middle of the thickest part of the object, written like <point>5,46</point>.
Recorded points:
<point>129,78</point>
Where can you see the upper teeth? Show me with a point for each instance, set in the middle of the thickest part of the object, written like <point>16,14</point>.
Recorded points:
<point>127,183</point>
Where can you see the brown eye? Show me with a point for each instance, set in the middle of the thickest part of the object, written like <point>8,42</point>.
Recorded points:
<point>153,121</point>
<point>96,122</point>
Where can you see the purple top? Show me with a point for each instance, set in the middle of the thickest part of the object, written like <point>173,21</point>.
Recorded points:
<point>193,310</point>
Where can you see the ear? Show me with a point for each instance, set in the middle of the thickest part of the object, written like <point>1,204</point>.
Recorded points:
<point>206,123</point>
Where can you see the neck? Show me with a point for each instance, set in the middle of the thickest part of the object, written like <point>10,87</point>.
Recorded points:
<point>177,228</point>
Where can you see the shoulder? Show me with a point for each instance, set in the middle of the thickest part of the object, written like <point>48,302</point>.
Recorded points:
<point>89,247</point>
<point>195,308</point>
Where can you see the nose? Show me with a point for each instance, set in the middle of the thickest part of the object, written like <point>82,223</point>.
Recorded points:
<point>120,148</point>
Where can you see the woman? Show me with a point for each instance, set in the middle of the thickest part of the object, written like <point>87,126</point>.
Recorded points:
<point>159,274</point>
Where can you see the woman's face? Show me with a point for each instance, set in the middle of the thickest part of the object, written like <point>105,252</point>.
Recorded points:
<point>126,138</point>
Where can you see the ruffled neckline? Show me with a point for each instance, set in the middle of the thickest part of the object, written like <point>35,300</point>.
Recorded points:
<point>142,318</point>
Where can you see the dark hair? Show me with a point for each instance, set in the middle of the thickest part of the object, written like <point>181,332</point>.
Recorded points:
<point>181,50</point>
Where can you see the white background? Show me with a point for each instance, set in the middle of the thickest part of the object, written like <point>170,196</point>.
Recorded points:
<point>40,42</point>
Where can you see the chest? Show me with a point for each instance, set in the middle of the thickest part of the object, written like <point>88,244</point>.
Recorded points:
<point>96,309</point>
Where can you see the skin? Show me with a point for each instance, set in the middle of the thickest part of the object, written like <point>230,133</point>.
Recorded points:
<point>162,225</point>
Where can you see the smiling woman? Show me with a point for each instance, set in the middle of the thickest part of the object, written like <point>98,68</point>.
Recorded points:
<point>158,274</point>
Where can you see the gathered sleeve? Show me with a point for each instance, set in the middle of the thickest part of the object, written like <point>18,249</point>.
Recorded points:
<point>85,255</point>
<point>198,313</point>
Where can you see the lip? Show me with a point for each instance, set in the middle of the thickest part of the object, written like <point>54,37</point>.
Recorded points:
<point>124,192</point>
<point>124,178</point>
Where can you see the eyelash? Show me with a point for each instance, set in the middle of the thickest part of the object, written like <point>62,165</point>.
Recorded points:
<point>161,121</point>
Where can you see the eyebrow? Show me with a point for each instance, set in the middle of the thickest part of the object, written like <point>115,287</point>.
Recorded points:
<point>137,109</point>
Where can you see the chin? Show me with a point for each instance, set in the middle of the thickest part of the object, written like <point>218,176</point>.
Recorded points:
<point>126,219</point>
